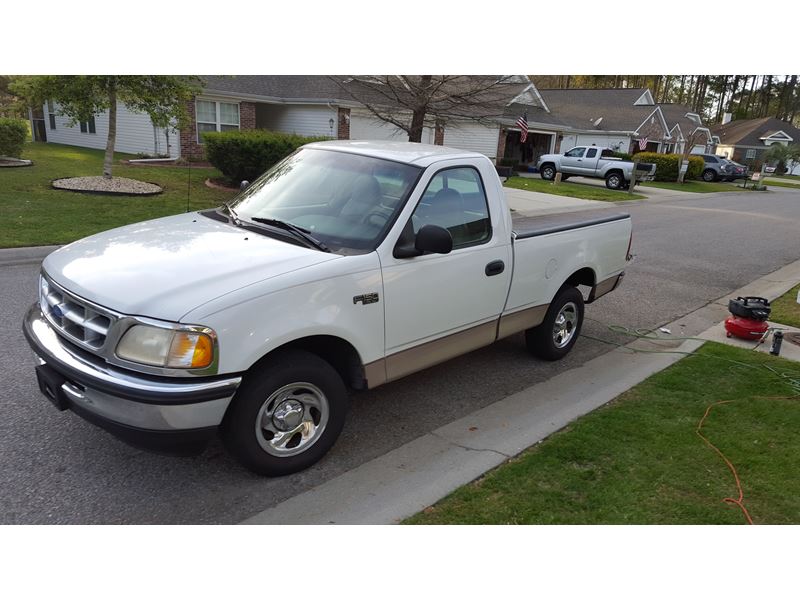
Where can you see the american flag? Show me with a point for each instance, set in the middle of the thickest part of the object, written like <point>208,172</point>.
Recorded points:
<point>643,143</point>
<point>523,128</point>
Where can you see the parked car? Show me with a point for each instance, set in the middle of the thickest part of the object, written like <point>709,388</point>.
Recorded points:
<point>715,167</point>
<point>345,266</point>
<point>733,170</point>
<point>591,161</point>
<point>769,169</point>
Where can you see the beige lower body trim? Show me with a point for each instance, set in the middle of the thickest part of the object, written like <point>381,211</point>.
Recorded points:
<point>432,353</point>
<point>375,373</point>
<point>605,286</point>
<point>521,320</point>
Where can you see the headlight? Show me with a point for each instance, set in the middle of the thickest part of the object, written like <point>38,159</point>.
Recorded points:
<point>173,348</point>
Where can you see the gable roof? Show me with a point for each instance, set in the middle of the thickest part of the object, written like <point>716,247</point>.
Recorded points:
<point>582,108</point>
<point>751,132</point>
<point>675,115</point>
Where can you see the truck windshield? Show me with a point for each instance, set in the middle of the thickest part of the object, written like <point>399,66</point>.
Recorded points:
<point>347,201</point>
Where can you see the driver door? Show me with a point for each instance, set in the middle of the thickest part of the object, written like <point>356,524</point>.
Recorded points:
<point>438,306</point>
<point>572,161</point>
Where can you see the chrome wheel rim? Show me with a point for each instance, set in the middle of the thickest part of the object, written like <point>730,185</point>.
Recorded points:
<point>292,419</point>
<point>614,181</point>
<point>565,325</point>
<point>548,172</point>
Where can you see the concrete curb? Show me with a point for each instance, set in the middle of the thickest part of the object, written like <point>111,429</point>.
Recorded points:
<point>23,256</point>
<point>418,474</point>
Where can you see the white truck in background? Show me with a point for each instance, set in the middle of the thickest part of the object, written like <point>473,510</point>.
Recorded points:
<point>346,266</point>
<point>591,161</point>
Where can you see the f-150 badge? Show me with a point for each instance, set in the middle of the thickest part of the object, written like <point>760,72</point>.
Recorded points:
<point>366,298</point>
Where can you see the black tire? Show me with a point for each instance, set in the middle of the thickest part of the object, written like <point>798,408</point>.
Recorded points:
<point>548,172</point>
<point>285,368</point>
<point>615,180</point>
<point>541,340</point>
<point>709,175</point>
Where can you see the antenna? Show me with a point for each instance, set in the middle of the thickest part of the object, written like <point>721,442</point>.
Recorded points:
<point>189,184</point>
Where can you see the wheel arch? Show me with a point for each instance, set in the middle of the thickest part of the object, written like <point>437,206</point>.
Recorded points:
<point>584,276</point>
<point>336,351</point>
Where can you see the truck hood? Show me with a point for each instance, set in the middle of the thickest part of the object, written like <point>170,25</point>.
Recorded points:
<point>166,267</point>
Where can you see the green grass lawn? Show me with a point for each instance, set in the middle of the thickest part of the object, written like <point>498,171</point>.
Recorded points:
<point>695,187</point>
<point>639,459</point>
<point>34,214</point>
<point>786,310</point>
<point>769,181</point>
<point>574,190</point>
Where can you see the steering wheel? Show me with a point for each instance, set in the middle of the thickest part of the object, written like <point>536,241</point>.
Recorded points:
<point>375,217</point>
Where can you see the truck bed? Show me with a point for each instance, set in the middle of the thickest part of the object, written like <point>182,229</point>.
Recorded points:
<point>532,226</point>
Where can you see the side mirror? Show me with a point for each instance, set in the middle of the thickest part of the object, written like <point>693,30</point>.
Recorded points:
<point>435,239</point>
<point>431,238</point>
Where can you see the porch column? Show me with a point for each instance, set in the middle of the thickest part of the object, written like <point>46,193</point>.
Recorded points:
<point>501,145</point>
<point>247,115</point>
<point>344,123</point>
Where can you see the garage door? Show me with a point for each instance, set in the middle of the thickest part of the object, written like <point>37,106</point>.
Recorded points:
<point>364,126</point>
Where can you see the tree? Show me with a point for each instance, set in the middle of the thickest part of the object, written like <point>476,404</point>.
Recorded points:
<point>781,155</point>
<point>80,97</point>
<point>406,101</point>
<point>688,146</point>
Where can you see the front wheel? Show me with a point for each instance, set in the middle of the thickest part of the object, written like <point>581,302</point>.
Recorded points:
<point>548,172</point>
<point>286,415</point>
<point>557,334</point>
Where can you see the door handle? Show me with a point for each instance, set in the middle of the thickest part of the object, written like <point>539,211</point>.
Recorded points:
<point>495,268</point>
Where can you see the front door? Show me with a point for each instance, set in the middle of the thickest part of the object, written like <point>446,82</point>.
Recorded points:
<point>442,305</point>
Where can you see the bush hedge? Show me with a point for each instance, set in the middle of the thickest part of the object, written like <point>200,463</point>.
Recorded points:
<point>667,165</point>
<point>247,154</point>
<point>13,133</point>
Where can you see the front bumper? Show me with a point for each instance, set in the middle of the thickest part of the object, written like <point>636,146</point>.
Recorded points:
<point>164,414</point>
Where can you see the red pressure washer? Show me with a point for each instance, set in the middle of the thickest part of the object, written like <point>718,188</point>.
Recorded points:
<point>748,319</point>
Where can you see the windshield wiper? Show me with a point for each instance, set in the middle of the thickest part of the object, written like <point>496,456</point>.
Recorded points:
<point>299,232</point>
<point>231,213</point>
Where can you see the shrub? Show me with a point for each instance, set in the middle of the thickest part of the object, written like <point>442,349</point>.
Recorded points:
<point>247,154</point>
<point>13,133</point>
<point>667,165</point>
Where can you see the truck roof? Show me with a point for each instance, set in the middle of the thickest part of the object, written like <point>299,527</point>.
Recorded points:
<point>406,152</point>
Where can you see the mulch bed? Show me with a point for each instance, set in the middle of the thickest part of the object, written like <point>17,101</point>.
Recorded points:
<point>219,183</point>
<point>15,162</point>
<point>116,186</point>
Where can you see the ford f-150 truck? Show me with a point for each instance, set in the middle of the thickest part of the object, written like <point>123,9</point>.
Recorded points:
<point>591,161</point>
<point>346,266</point>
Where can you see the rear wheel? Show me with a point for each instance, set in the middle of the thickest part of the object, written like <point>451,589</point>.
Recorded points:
<point>548,172</point>
<point>286,415</point>
<point>615,180</point>
<point>709,175</point>
<point>557,334</point>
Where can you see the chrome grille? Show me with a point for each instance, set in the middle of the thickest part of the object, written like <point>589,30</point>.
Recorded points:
<point>78,319</point>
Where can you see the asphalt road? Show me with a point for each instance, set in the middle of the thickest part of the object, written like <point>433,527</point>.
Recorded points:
<point>56,468</point>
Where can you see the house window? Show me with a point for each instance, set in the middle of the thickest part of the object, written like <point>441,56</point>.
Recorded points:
<point>216,116</point>
<point>88,126</point>
<point>51,114</point>
<point>751,153</point>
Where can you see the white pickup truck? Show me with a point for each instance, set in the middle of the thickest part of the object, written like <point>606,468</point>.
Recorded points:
<point>344,267</point>
<point>591,161</point>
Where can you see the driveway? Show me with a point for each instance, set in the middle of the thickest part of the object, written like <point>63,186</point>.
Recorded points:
<point>56,468</point>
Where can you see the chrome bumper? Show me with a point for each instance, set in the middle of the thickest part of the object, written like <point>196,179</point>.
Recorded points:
<point>110,396</point>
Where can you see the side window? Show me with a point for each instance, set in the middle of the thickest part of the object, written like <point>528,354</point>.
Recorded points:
<point>591,153</point>
<point>575,152</point>
<point>455,199</point>
<point>711,159</point>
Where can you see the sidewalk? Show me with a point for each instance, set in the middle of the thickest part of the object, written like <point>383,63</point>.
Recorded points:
<point>418,474</point>
<point>526,203</point>
<point>23,256</point>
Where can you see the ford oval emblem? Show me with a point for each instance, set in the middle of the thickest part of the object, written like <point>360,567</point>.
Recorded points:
<point>57,311</point>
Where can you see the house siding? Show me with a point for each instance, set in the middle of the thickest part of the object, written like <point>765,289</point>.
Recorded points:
<point>363,126</point>
<point>473,137</point>
<point>302,120</point>
<point>135,133</point>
